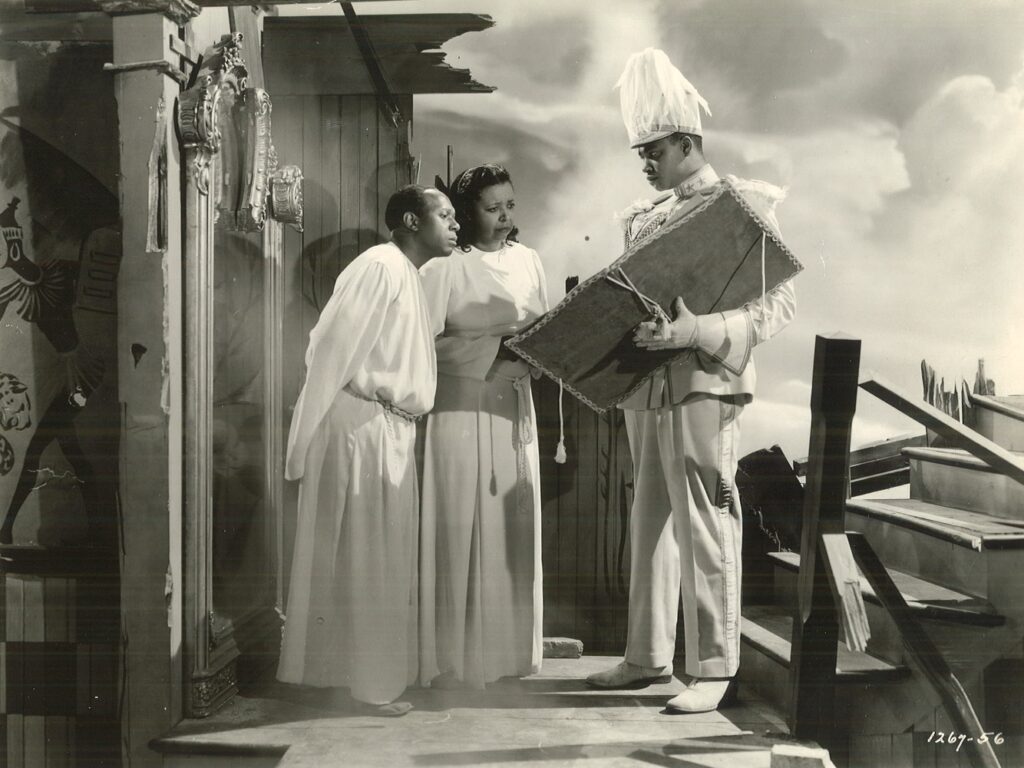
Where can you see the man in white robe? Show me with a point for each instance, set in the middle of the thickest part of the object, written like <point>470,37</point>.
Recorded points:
<point>371,372</point>
<point>683,423</point>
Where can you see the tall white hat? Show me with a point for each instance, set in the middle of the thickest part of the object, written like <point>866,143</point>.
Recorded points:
<point>657,100</point>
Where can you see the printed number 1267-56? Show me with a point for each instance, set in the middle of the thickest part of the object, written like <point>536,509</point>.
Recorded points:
<point>959,739</point>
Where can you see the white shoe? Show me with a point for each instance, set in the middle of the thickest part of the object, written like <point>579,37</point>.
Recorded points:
<point>704,695</point>
<point>626,675</point>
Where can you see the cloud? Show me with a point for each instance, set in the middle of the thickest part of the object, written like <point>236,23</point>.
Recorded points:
<point>897,126</point>
<point>915,242</point>
<point>749,47</point>
<point>902,51</point>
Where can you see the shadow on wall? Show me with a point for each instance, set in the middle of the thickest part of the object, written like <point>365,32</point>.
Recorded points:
<point>324,259</point>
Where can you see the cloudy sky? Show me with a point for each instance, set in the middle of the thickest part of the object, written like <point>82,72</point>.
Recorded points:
<point>897,127</point>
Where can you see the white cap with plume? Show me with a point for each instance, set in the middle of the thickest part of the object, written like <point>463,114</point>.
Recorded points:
<point>657,100</point>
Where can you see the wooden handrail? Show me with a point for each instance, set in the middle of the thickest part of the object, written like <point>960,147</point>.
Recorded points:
<point>923,654</point>
<point>956,433</point>
<point>991,403</point>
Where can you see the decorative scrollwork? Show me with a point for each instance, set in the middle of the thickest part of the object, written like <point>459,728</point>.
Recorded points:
<point>260,157</point>
<point>181,12</point>
<point>223,70</point>
<point>209,692</point>
<point>286,196</point>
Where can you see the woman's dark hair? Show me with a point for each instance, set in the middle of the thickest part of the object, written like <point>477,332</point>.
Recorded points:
<point>466,190</point>
<point>412,198</point>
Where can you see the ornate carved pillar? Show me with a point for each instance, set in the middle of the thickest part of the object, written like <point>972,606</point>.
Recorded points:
<point>210,650</point>
<point>231,178</point>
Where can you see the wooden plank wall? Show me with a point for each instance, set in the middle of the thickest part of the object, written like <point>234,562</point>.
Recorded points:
<point>352,160</point>
<point>585,519</point>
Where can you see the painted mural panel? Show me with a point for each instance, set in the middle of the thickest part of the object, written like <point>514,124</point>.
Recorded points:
<point>60,250</point>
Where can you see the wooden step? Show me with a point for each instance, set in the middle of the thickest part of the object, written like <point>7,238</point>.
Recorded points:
<point>953,477</point>
<point>962,625</point>
<point>927,599</point>
<point>765,668</point>
<point>1000,419</point>
<point>961,526</point>
<point>768,629</point>
<point>964,550</point>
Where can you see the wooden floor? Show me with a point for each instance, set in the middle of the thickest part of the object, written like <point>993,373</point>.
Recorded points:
<point>550,720</point>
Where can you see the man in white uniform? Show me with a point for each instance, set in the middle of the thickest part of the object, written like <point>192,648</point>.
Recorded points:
<point>683,423</point>
<point>371,372</point>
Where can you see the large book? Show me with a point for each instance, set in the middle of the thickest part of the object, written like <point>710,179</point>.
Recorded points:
<point>711,256</point>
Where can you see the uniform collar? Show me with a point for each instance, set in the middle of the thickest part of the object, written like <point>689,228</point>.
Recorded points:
<point>698,181</point>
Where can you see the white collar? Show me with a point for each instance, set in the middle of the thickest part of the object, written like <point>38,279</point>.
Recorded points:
<point>698,181</point>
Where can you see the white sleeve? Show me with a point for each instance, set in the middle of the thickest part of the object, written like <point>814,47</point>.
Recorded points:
<point>542,281</point>
<point>349,327</point>
<point>436,277</point>
<point>729,337</point>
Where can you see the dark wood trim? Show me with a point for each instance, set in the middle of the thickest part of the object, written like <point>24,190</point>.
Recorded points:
<point>876,466</point>
<point>385,98</point>
<point>323,56</point>
<point>880,482</point>
<point>815,635</point>
<point>57,561</point>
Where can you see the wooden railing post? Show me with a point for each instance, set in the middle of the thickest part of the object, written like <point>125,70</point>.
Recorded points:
<point>816,627</point>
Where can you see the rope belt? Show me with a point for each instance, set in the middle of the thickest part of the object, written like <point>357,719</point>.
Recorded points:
<point>524,426</point>
<point>387,406</point>
<point>524,430</point>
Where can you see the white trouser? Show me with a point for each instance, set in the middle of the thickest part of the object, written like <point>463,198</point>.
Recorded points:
<point>686,531</point>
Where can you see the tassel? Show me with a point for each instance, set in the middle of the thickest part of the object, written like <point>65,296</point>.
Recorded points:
<point>560,451</point>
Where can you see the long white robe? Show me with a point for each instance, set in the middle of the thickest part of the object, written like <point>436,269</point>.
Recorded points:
<point>480,540</point>
<point>352,611</point>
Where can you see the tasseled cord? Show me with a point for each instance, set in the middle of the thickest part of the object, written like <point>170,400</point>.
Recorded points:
<point>763,280</point>
<point>560,451</point>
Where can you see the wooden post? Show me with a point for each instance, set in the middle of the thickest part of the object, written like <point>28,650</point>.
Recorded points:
<point>149,315</point>
<point>816,628</point>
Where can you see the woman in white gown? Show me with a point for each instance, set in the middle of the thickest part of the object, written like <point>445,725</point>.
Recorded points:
<point>480,570</point>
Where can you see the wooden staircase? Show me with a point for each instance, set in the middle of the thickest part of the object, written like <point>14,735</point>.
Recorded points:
<point>955,551</point>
